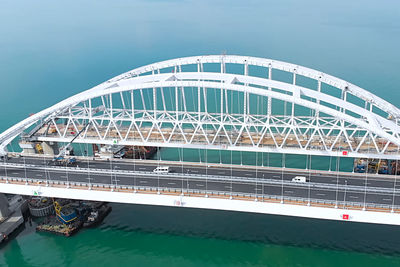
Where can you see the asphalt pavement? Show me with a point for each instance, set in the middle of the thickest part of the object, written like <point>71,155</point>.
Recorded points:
<point>371,188</point>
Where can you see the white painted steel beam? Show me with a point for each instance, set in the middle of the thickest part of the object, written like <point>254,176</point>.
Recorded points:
<point>345,123</point>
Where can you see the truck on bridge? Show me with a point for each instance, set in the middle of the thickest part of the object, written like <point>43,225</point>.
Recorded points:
<point>60,160</point>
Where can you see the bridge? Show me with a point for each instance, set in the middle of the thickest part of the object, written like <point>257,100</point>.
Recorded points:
<point>209,104</point>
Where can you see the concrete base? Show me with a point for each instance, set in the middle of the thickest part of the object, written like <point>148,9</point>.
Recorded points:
<point>207,203</point>
<point>50,148</point>
<point>10,224</point>
<point>14,220</point>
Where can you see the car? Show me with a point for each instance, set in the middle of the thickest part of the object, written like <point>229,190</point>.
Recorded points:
<point>299,179</point>
<point>162,169</point>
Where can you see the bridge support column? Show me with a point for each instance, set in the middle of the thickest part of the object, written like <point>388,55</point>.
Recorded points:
<point>47,148</point>
<point>50,148</point>
<point>27,147</point>
<point>4,210</point>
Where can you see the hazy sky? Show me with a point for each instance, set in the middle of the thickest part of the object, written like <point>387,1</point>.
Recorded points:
<point>52,50</point>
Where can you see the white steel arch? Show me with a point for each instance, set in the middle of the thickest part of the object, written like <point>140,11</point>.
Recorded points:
<point>202,113</point>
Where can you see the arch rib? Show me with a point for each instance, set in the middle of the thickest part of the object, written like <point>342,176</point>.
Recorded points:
<point>374,124</point>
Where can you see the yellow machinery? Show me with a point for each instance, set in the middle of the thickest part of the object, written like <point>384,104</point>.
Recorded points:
<point>57,207</point>
<point>64,218</point>
<point>39,148</point>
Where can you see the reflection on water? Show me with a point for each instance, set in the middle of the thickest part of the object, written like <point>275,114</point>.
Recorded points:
<point>282,230</point>
<point>154,236</point>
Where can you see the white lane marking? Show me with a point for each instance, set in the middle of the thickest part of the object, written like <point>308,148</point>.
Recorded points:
<point>142,168</point>
<point>248,174</point>
<point>63,176</point>
<point>143,182</point>
<point>194,171</point>
<point>15,172</point>
<point>386,199</point>
<point>171,183</point>
<point>227,186</point>
<point>319,194</point>
<point>199,184</point>
<point>39,175</point>
<point>221,172</point>
<point>276,176</point>
<point>290,192</point>
<point>353,197</point>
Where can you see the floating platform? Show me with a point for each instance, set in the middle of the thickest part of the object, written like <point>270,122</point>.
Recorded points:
<point>14,220</point>
<point>53,225</point>
<point>9,225</point>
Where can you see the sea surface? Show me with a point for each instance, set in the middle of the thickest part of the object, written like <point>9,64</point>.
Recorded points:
<point>52,50</point>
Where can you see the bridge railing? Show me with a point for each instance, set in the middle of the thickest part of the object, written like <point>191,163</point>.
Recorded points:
<point>213,177</point>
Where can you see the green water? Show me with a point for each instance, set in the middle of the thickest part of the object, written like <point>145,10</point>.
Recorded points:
<point>156,236</point>
<point>51,50</point>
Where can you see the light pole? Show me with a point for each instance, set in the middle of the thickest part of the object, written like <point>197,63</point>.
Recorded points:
<point>111,175</point>
<point>5,167</point>
<point>26,176</point>
<point>66,174</point>
<point>187,182</point>
<point>89,178</point>
<point>256,188</point>
<point>114,179</point>
<point>90,185</point>
<point>263,188</point>
<point>345,188</point>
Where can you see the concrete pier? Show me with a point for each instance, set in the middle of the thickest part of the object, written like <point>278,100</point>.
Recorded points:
<point>13,219</point>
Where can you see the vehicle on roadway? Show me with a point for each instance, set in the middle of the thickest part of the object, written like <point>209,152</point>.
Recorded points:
<point>162,169</point>
<point>61,160</point>
<point>299,179</point>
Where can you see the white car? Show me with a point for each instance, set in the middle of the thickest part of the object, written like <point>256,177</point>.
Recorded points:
<point>161,169</point>
<point>299,179</point>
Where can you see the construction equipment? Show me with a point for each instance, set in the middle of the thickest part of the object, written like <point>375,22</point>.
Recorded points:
<point>64,213</point>
<point>39,148</point>
<point>64,161</point>
<point>66,147</point>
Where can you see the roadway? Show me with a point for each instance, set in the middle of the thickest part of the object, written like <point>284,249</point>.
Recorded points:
<point>245,181</point>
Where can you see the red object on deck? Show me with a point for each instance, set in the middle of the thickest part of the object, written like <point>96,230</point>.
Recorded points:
<point>344,153</point>
<point>345,216</point>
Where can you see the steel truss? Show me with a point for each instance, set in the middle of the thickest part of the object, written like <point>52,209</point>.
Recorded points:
<point>224,102</point>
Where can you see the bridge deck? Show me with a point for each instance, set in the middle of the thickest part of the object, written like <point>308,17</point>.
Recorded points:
<point>359,189</point>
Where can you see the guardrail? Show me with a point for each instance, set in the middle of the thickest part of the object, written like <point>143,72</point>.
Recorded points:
<point>217,165</point>
<point>236,179</point>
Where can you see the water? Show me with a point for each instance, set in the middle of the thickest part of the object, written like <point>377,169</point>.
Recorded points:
<point>49,51</point>
<point>156,236</point>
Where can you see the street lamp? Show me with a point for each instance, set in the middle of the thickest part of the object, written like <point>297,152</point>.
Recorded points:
<point>90,185</point>
<point>263,188</point>
<point>345,188</point>
<point>115,178</point>
<point>5,167</point>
